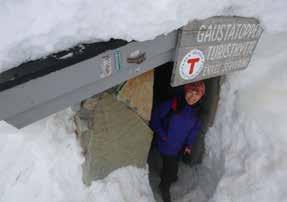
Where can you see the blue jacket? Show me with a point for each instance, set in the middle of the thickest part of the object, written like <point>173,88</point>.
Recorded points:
<point>174,131</point>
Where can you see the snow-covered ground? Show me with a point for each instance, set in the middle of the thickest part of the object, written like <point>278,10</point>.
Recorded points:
<point>31,29</point>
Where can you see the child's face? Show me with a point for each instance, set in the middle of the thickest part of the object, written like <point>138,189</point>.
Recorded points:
<point>192,97</point>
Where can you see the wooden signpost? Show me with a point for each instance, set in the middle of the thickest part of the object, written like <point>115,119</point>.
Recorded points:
<point>215,46</point>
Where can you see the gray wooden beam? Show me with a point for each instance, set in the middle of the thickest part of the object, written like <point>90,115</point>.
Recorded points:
<point>41,97</point>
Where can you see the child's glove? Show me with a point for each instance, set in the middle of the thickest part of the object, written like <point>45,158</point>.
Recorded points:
<point>187,150</point>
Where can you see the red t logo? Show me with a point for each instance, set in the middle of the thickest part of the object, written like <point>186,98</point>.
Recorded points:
<point>192,64</point>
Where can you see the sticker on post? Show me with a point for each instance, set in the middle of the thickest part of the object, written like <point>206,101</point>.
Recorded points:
<point>191,65</point>
<point>106,66</point>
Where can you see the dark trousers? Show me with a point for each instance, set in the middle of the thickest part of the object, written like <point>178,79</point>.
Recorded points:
<point>169,170</point>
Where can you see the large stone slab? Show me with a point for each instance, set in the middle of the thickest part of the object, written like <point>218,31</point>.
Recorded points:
<point>118,137</point>
<point>137,93</point>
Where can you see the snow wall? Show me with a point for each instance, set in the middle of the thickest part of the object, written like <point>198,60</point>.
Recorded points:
<point>249,135</point>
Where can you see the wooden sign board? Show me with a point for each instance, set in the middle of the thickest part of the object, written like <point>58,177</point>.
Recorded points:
<point>213,47</point>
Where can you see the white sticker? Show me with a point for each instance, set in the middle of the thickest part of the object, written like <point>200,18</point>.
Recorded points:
<point>191,65</point>
<point>106,66</point>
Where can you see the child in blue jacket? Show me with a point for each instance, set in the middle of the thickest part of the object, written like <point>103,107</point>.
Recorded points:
<point>176,124</point>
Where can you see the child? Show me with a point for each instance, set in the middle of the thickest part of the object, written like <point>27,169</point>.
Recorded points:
<point>176,124</point>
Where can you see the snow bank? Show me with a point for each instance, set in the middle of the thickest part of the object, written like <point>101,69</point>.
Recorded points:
<point>35,28</point>
<point>250,131</point>
<point>42,163</point>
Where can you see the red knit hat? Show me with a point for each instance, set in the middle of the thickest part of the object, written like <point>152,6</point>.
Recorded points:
<point>198,86</point>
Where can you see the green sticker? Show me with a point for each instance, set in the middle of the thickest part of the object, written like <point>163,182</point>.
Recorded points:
<point>118,60</point>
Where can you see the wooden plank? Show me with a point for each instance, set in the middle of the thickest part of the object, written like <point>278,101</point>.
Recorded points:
<point>35,99</point>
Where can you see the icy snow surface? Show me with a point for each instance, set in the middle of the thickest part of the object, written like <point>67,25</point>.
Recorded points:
<point>31,29</point>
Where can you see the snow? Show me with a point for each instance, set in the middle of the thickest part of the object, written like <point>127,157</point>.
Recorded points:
<point>246,146</point>
<point>250,128</point>
<point>32,29</point>
<point>42,163</point>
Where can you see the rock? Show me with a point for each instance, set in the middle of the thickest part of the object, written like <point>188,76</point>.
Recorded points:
<point>118,138</point>
<point>91,103</point>
<point>137,93</point>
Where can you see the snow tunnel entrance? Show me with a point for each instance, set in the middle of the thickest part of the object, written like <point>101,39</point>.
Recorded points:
<point>117,120</point>
<point>163,91</point>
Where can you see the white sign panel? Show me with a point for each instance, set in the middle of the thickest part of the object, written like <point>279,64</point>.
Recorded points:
<point>215,46</point>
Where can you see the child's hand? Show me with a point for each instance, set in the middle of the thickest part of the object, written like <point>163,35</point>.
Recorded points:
<point>187,151</point>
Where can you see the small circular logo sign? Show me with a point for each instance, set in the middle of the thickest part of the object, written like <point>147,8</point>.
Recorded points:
<point>191,65</point>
